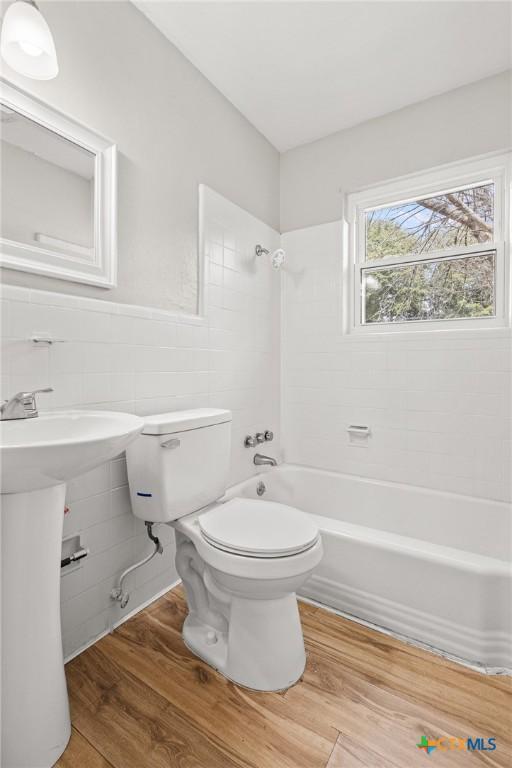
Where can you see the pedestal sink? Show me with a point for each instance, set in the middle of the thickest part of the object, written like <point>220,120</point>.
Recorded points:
<point>37,457</point>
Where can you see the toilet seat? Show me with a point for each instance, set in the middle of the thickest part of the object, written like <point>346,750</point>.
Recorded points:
<point>258,529</point>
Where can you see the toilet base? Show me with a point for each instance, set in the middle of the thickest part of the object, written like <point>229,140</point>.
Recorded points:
<point>263,648</point>
<point>196,636</point>
<point>243,614</point>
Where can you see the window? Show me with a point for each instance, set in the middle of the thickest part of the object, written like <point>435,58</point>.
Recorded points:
<point>431,249</point>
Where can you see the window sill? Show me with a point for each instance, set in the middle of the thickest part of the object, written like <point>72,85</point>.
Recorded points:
<point>498,329</point>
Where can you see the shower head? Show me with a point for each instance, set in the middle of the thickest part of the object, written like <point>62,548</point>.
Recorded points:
<point>277,257</point>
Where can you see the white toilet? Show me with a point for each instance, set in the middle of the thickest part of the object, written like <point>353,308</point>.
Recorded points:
<point>241,561</point>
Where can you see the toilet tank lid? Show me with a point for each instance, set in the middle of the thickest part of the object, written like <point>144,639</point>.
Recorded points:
<point>182,421</point>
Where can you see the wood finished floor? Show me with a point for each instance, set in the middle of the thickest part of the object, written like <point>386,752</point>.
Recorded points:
<point>140,699</point>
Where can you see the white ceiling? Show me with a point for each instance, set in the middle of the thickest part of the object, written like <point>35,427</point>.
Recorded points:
<point>302,70</point>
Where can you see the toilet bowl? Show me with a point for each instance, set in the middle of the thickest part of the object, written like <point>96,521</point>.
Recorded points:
<point>241,561</point>
<point>243,617</point>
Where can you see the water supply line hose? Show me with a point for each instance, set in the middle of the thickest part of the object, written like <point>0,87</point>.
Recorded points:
<point>117,593</point>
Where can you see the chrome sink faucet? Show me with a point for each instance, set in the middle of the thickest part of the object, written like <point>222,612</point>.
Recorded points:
<point>261,460</point>
<point>22,405</point>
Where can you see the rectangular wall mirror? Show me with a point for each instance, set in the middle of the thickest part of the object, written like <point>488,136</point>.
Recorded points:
<point>59,206</point>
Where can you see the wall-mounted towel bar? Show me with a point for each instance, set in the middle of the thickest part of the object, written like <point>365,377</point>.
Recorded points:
<point>45,339</point>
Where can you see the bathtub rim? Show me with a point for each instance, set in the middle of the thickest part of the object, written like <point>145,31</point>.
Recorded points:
<point>503,507</point>
<point>283,466</point>
<point>484,650</point>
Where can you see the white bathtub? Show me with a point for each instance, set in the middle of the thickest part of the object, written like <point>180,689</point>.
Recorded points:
<point>434,567</point>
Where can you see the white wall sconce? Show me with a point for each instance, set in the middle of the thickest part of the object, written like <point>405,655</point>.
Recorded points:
<point>26,42</point>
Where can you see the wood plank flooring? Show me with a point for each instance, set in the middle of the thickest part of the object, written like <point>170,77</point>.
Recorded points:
<point>140,699</point>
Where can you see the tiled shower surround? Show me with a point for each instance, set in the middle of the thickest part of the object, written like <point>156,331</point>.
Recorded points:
<point>146,361</point>
<point>438,404</point>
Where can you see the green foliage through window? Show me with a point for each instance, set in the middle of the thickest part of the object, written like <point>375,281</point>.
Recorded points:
<point>430,290</point>
<point>441,288</point>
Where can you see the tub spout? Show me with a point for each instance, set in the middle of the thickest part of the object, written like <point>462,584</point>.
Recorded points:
<point>261,460</point>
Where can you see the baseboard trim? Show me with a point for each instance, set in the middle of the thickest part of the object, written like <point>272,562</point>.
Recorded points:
<point>118,623</point>
<point>317,585</point>
<point>462,645</point>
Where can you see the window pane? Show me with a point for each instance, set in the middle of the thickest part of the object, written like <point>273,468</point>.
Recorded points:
<point>430,290</point>
<point>464,217</point>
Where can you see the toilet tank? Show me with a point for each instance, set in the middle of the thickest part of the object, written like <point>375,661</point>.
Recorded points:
<point>179,463</point>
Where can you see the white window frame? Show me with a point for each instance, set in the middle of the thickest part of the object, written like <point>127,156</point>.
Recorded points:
<point>430,183</point>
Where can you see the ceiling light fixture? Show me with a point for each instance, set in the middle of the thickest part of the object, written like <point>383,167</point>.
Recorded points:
<point>26,43</point>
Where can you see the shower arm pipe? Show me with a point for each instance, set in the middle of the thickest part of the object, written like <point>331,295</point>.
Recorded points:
<point>117,593</point>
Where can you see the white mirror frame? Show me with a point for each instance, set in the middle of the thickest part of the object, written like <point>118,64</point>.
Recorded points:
<point>101,267</point>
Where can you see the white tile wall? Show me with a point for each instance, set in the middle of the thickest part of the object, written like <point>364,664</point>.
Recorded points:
<point>438,404</point>
<point>143,361</point>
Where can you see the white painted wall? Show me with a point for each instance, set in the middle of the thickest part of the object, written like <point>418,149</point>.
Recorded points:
<point>438,403</point>
<point>468,121</point>
<point>123,78</point>
<point>146,361</point>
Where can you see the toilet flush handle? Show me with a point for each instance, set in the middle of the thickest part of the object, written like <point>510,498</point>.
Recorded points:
<point>172,443</point>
